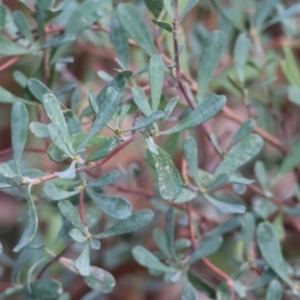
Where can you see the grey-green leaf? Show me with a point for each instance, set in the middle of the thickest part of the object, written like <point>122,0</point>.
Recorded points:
<point>82,263</point>
<point>270,249</point>
<point>156,76</point>
<point>77,236</point>
<point>119,39</point>
<point>274,291</point>
<point>145,258</point>
<point>226,207</point>
<point>9,48</point>
<point>19,128</point>
<point>22,25</point>
<point>136,28</point>
<point>106,111</point>
<point>32,223</point>
<point>116,207</point>
<point>2,16</point>
<point>290,161</point>
<point>241,51</point>
<point>55,114</point>
<point>155,6</point>
<point>70,213</point>
<point>294,94</point>
<point>169,179</point>
<point>240,154</point>
<point>207,247</point>
<point>245,129</point>
<point>261,174</point>
<point>166,26</point>
<point>55,193</point>
<point>141,101</point>
<point>136,221</point>
<point>100,280</point>
<point>188,292</point>
<point>38,89</point>
<point>40,130</point>
<point>69,173</point>
<point>190,150</point>
<point>147,121</point>
<point>160,240</point>
<point>106,179</point>
<point>185,195</point>
<point>169,109</point>
<point>248,227</point>
<point>202,113</point>
<point>59,41</point>
<point>189,6</point>
<point>209,60</point>
<point>45,288</point>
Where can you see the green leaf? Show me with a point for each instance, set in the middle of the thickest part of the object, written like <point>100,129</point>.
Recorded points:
<point>190,150</point>
<point>22,25</point>
<point>116,207</point>
<point>106,179</point>
<point>248,228</point>
<point>32,223</point>
<point>241,51</point>
<point>156,76</point>
<point>40,130</point>
<point>169,179</point>
<point>290,67</point>
<point>240,154</point>
<point>9,48</point>
<point>209,60</point>
<point>69,173</point>
<point>70,213</point>
<point>100,280</point>
<point>59,41</point>
<point>145,258</point>
<point>217,182</point>
<point>155,6</point>
<point>77,236</point>
<point>119,39</point>
<point>95,244</point>
<point>38,89</point>
<point>45,288</point>
<point>185,195</point>
<point>58,140</point>
<point>245,129</point>
<point>147,121</point>
<point>291,160</point>
<point>188,292</point>
<point>106,111</point>
<point>136,28</point>
<point>202,113</point>
<point>41,6</point>
<point>263,10</point>
<point>55,193</point>
<point>270,249</point>
<point>141,100</point>
<point>261,174</point>
<point>274,291</point>
<point>225,227</point>
<point>289,12</point>
<point>207,247</point>
<point>226,207</point>
<point>103,150</point>
<point>201,286</point>
<point>82,263</point>
<point>164,25</point>
<point>136,221</point>
<point>160,240</point>
<point>168,110</point>
<point>189,6</point>
<point>2,17</point>
<point>294,94</point>
<point>19,127</point>
<point>55,114</point>
<point>169,7</point>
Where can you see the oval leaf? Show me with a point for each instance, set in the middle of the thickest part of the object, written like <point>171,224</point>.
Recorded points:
<point>145,258</point>
<point>202,113</point>
<point>136,28</point>
<point>82,263</point>
<point>136,221</point>
<point>116,207</point>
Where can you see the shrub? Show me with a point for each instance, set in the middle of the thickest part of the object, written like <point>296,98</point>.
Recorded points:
<point>124,147</point>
